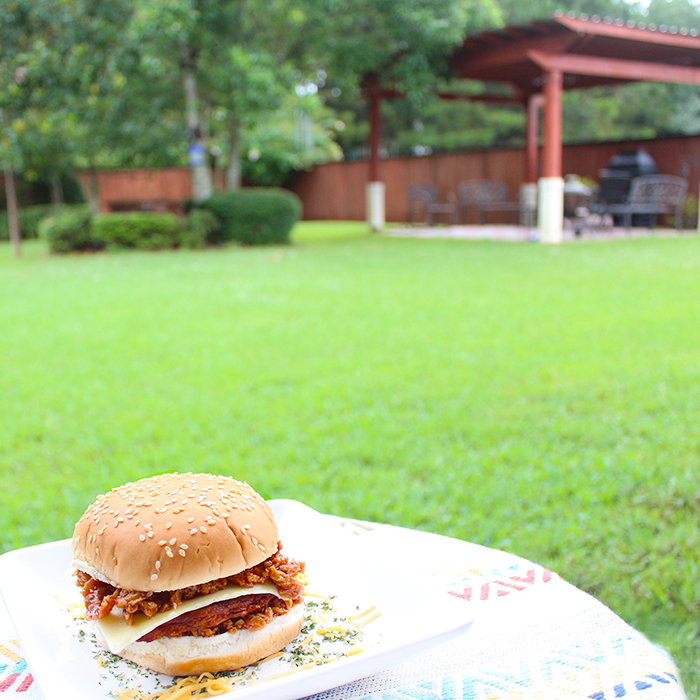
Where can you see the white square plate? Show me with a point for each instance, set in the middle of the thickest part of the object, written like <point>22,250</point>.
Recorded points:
<point>415,614</point>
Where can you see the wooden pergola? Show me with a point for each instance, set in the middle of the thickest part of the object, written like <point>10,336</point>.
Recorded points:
<point>537,61</point>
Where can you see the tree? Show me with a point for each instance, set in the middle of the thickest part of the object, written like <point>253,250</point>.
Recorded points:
<point>294,137</point>
<point>14,61</point>
<point>245,86</point>
<point>76,98</point>
<point>404,44</point>
<point>232,60</point>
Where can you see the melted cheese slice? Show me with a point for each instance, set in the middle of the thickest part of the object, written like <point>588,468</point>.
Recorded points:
<point>118,633</point>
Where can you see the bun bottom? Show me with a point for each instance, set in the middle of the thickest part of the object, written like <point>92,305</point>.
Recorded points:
<point>186,656</point>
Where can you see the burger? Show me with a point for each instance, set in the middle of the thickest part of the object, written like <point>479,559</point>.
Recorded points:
<point>183,574</point>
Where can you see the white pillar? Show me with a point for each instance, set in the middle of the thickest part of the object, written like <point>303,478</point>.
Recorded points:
<point>375,205</point>
<point>550,209</point>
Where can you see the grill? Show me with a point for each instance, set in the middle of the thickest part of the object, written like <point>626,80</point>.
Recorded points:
<point>616,179</point>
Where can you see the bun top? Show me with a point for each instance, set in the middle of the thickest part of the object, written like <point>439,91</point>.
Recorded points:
<point>172,531</point>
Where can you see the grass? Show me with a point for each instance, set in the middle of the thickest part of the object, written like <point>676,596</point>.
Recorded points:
<point>541,400</point>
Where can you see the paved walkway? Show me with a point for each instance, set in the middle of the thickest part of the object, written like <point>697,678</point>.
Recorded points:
<point>522,233</point>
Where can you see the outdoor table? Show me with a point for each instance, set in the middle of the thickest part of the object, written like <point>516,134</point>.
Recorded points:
<point>534,635</point>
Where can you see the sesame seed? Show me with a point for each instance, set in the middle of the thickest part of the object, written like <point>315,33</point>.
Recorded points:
<point>182,552</point>
<point>174,540</point>
<point>184,546</point>
<point>154,577</point>
<point>190,520</point>
<point>162,543</point>
<point>203,530</point>
<point>142,538</point>
<point>193,531</point>
<point>169,552</point>
<point>157,565</point>
<point>150,533</point>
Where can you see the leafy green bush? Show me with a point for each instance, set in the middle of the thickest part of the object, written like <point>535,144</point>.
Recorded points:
<point>255,216</point>
<point>201,227</point>
<point>147,230</point>
<point>29,220</point>
<point>69,229</point>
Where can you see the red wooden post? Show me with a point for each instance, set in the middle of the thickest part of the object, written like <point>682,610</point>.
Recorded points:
<point>551,152</point>
<point>534,104</point>
<point>550,206</point>
<point>375,191</point>
<point>375,137</point>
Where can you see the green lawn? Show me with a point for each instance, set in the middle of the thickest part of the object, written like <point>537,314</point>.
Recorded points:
<point>542,400</point>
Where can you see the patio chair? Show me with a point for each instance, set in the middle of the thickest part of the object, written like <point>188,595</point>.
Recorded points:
<point>424,204</point>
<point>649,195</point>
<point>485,196</point>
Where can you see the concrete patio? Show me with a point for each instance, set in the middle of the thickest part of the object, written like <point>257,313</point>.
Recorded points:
<point>519,234</point>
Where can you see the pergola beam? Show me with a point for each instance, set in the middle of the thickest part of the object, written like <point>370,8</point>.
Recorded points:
<point>624,32</point>
<point>616,68</point>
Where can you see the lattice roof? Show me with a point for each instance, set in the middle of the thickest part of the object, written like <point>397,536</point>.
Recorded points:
<point>588,50</point>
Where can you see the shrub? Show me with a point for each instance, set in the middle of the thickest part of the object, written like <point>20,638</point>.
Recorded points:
<point>255,216</point>
<point>69,229</point>
<point>201,227</point>
<point>29,220</point>
<point>147,230</point>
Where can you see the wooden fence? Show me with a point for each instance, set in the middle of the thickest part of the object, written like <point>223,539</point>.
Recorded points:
<point>336,191</point>
<point>164,189</point>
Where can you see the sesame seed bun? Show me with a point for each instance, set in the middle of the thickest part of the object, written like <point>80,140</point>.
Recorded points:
<point>184,656</point>
<point>172,531</point>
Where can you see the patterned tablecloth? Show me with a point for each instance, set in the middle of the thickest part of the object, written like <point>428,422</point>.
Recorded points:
<point>534,636</point>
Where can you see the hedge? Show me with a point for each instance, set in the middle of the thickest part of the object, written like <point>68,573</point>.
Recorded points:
<point>201,227</point>
<point>254,216</point>
<point>147,230</point>
<point>69,230</point>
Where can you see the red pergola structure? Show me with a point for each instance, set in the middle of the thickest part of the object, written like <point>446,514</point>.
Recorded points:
<point>541,59</point>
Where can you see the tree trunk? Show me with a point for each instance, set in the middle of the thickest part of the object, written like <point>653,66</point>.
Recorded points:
<point>93,195</point>
<point>233,171</point>
<point>56,190</point>
<point>202,186</point>
<point>12,210</point>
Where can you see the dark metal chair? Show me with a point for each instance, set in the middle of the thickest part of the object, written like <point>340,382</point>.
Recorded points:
<point>649,195</point>
<point>424,204</point>
<point>485,196</point>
